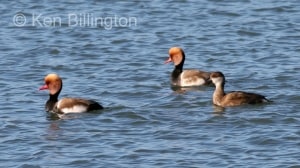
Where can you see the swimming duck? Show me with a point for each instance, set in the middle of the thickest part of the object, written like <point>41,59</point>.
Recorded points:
<point>234,98</point>
<point>66,105</point>
<point>185,78</point>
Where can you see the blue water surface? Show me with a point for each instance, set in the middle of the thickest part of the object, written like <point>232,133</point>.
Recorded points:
<point>113,52</point>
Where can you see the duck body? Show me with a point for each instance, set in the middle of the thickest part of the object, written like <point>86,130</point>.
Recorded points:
<point>185,78</point>
<point>66,105</point>
<point>191,77</point>
<point>234,98</point>
<point>75,105</point>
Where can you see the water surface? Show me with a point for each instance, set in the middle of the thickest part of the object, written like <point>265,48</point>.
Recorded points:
<point>146,123</point>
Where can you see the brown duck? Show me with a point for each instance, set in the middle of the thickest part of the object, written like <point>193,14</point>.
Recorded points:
<point>234,98</point>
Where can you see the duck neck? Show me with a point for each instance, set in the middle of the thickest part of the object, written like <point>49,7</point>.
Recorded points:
<point>178,69</point>
<point>53,98</point>
<point>51,102</point>
<point>218,93</point>
<point>175,74</point>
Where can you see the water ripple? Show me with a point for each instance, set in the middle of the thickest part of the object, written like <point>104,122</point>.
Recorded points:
<point>146,122</point>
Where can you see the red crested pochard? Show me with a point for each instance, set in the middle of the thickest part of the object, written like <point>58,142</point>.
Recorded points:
<point>185,78</point>
<point>234,98</point>
<point>66,105</point>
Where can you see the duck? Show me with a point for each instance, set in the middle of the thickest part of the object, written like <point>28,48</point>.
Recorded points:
<point>234,98</point>
<point>185,78</point>
<point>54,84</point>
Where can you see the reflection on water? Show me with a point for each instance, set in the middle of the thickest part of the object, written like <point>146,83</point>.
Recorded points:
<point>54,131</point>
<point>218,109</point>
<point>182,90</point>
<point>52,116</point>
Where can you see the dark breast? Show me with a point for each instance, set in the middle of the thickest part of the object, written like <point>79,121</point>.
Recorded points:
<point>50,105</point>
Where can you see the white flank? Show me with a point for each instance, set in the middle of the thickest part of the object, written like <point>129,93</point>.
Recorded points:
<point>75,109</point>
<point>191,81</point>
